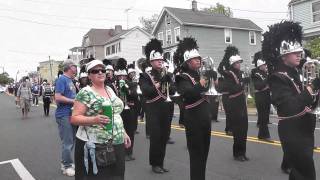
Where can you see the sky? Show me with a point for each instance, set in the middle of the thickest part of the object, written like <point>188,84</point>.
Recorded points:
<point>33,30</point>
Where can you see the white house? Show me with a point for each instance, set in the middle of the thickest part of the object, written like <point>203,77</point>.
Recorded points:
<point>129,44</point>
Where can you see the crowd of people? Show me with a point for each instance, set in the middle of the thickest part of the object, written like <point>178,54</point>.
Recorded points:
<point>99,114</point>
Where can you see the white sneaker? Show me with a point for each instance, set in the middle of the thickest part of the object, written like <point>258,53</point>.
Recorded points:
<point>69,171</point>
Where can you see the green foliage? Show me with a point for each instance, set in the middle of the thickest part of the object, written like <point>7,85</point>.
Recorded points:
<point>5,79</point>
<point>219,9</point>
<point>149,23</point>
<point>314,47</point>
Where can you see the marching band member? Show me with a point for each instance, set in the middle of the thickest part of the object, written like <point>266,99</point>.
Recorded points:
<point>110,76</point>
<point>128,94</point>
<point>157,109</point>
<point>259,76</point>
<point>282,50</point>
<point>223,69</point>
<point>196,106</point>
<point>133,98</point>
<point>234,84</point>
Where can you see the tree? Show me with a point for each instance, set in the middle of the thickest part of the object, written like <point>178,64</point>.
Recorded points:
<point>5,79</point>
<point>149,23</point>
<point>219,9</point>
<point>314,47</point>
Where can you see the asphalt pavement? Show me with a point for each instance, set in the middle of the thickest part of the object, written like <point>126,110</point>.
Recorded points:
<point>30,148</point>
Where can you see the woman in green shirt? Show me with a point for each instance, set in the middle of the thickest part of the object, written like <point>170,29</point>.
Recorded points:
<point>87,113</point>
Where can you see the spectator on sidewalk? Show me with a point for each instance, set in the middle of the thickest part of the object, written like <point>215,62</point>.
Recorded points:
<point>65,93</point>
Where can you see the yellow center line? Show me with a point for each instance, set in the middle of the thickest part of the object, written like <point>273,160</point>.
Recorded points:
<point>223,134</point>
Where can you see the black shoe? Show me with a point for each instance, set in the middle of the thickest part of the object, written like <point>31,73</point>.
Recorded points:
<point>215,120</point>
<point>286,170</point>
<point>137,132</point>
<point>165,170</point>
<point>157,169</point>
<point>266,140</point>
<point>246,158</point>
<point>129,158</point>
<point>170,141</point>
<point>240,158</point>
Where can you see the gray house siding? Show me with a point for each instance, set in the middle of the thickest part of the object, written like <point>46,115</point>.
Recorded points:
<point>163,27</point>
<point>302,13</point>
<point>212,43</point>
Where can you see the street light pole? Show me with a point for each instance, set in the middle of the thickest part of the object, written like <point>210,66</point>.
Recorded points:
<point>127,11</point>
<point>50,70</point>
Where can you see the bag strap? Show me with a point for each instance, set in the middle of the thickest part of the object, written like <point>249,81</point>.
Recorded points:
<point>112,119</point>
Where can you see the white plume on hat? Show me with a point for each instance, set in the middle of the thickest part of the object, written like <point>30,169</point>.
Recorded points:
<point>83,74</point>
<point>109,67</point>
<point>154,55</point>
<point>234,59</point>
<point>260,62</point>
<point>290,47</point>
<point>122,72</point>
<point>190,54</point>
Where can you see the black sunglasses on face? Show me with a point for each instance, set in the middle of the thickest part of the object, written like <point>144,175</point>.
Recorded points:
<point>96,71</point>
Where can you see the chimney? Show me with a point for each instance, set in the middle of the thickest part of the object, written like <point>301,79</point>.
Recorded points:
<point>117,29</point>
<point>194,6</point>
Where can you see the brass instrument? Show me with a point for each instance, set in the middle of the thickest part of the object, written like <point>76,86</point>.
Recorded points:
<point>247,87</point>
<point>123,95</point>
<point>311,71</point>
<point>165,86</point>
<point>207,65</point>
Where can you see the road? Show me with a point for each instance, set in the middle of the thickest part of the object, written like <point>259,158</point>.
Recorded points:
<point>30,148</point>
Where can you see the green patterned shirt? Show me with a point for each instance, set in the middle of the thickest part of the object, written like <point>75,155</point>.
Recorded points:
<point>94,102</point>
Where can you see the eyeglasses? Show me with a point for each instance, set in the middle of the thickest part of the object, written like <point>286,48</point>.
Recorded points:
<point>96,71</point>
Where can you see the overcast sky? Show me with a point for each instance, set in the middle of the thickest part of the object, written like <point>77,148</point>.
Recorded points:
<point>32,30</point>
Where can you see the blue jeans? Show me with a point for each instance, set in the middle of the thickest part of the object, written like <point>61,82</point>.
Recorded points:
<point>67,136</point>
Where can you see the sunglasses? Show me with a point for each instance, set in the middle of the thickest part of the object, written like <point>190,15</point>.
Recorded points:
<point>96,71</point>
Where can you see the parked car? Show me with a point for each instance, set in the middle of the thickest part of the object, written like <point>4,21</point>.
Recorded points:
<point>2,89</point>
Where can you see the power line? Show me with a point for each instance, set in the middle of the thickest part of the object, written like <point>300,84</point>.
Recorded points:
<point>255,11</point>
<point>42,23</point>
<point>44,14</point>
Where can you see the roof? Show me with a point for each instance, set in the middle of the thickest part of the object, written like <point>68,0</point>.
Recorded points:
<point>202,18</point>
<point>98,36</point>
<point>296,1</point>
<point>124,33</point>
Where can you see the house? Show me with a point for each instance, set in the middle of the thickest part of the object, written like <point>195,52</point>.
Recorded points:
<point>94,40</point>
<point>307,12</point>
<point>129,44</point>
<point>76,54</point>
<point>48,70</point>
<point>213,32</point>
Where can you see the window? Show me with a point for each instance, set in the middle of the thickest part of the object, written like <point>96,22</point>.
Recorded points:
<point>143,49</point>
<point>113,49</point>
<point>228,36</point>
<point>108,51</point>
<point>168,20</point>
<point>177,34</point>
<point>252,38</point>
<point>316,11</point>
<point>119,47</point>
<point>169,37</point>
<point>160,37</point>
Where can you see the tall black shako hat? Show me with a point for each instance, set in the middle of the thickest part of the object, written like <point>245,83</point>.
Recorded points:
<point>153,50</point>
<point>257,59</point>
<point>121,67</point>
<point>281,39</point>
<point>186,50</point>
<point>225,63</point>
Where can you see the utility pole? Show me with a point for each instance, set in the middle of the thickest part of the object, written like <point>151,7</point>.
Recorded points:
<point>50,70</point>
<point>127,11</point>
<point>2,69</point>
